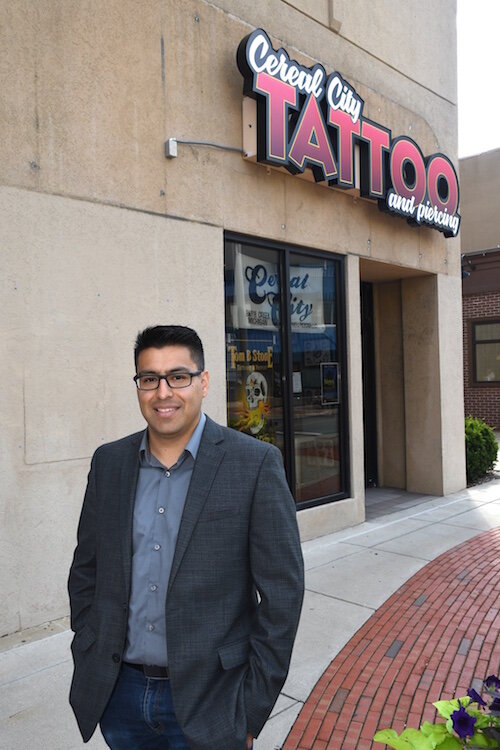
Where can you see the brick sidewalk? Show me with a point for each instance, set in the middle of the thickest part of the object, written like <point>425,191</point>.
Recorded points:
<point>438,635</point>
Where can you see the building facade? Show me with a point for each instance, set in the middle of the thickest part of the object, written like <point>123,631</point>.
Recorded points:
<point>223,165</point>
<point>480,241</point>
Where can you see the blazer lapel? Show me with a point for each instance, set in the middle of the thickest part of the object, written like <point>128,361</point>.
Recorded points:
<point>207,462</point>
<point>129,473</point>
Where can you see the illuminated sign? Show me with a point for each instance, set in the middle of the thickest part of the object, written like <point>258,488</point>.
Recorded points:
<point>308,119</point>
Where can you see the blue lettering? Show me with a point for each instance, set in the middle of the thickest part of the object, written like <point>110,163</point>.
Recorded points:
<point>297,283</point>
<point>256,277</point>
<point>300,308</point>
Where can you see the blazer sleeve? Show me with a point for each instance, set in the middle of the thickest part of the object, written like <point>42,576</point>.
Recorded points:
<point>278,574</point>
<point>82,576</point>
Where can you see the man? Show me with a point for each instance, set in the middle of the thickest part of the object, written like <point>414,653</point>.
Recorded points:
<point>187,579</point>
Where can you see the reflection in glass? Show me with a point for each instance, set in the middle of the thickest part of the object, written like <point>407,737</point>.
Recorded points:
<point>487,331</point>
<point>253,343</point>
<point>315,377</point>
<point>487,353</point>
<point>488,363</point>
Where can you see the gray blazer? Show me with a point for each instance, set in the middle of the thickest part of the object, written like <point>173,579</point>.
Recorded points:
<point>234,595</point>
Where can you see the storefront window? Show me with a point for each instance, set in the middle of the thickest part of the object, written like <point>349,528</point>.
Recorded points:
<point>487,352</point>
<point>284,362</point>
<point>253,343</point>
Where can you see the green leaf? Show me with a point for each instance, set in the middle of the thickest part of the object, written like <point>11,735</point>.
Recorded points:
<point>481,740</point>
<point>430,729</point>
<point>410,739</point>
<point>446,708</point>
<point>482,720</point>
<point>416,740</point>
<point>435,732</point>
<point>450,743</point>
<point>391,738</point>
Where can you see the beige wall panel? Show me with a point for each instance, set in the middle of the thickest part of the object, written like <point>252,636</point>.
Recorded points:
<point>422,385</point>
<point>317,9</point>
<point>19,125</point>
<point>242,197</point>
<point>11,535</point>
<point>354,378</point>
<point>479,201</point>
<point>97,112</point>
<point>203,84</point>
<point>453,258</point>
<point>389,372</point>
<point>435,441</point>
<point>51,496</point>
<point>438,254</point>
<point>392,241</point>
<point>452,384</point>
<point>324,218</point>
<point>255,200</point>
<point>325,519</point>
<point>79,281</point>
<point>402,34</point>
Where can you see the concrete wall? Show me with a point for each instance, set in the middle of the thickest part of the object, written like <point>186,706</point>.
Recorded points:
<point>480,227</point>
<point>389,368</point>
<point>431,311</point>
<point>102,235</point>
<point>79,280</point>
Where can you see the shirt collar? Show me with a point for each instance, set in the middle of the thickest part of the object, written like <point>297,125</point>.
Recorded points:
<point>192,446</point>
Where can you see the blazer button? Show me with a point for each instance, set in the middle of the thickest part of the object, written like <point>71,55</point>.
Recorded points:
<point>116,658</point>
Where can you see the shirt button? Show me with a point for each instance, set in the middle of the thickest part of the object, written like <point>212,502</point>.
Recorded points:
<point>161,510</point>
<point>151,628</point>
<point>157,547</point>
<point>153,587</point>
<point>167,473</point>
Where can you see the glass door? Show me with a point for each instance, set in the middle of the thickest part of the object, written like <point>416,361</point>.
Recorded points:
<point>315,377</point>
<point>284,352</point>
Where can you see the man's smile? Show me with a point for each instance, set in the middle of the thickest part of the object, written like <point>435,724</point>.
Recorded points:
<point>165,410</point>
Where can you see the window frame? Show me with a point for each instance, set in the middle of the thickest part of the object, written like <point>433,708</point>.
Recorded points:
<point>475,342</point>
<point>285,250</point>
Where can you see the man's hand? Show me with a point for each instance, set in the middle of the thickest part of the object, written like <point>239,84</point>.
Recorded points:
<point>249,741</point>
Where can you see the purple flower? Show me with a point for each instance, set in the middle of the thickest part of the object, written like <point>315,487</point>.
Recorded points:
<point>492,682</point>
<point>463,723</point>
<point>475,697</point>
<point>495,706</point>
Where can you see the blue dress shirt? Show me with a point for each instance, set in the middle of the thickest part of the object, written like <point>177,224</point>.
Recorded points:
<point>159,503</point>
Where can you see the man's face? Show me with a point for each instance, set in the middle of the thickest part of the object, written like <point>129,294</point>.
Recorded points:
<point>171,414</point>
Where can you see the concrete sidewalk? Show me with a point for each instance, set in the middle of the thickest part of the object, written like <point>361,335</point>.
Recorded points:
<point>350,574</point>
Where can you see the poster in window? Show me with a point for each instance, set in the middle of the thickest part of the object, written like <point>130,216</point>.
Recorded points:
<point>250,387</point>
<point>329,383</point>
<point>257,299</point>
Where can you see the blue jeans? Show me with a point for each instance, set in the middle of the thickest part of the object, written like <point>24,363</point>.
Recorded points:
<point>140,715</point>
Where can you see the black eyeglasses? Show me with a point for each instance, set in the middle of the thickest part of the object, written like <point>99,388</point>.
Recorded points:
<point>150,381</point>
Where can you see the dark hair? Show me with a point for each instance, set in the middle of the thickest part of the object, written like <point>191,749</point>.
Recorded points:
<point>160,336</point>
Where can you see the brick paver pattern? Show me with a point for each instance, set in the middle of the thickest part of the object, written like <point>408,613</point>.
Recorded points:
<point>436,637</point>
